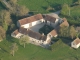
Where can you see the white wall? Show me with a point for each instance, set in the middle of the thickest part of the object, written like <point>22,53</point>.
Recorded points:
<point>25,25</point>
<point>33,23</point>
<point>39,41</point>
<point>56,22</point>
<point>74,45</point>
<point>16,36</point>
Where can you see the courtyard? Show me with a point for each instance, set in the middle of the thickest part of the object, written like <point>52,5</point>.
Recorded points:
<point>37,27</point>
<point>42,28</point>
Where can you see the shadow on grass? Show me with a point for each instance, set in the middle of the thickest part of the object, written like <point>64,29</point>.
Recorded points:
<point>66,40</point>
<point>9,38</point>
<point>4,50</point>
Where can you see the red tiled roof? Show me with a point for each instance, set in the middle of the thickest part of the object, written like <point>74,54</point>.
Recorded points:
<point>50,18</point>
<point>15,32</point>
<point>76,41</point>
<point>30,19</point>
<point>64,23</point>
<point>30,33</point>
<point>53,32</point>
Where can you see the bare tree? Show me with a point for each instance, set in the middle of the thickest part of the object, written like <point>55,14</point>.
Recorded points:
<point>13,48</point>
<point>23,40</point>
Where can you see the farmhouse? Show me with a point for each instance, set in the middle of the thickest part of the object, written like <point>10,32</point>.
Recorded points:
<point>75,43</point>
<point>25,24</point>
<point>30,21</point>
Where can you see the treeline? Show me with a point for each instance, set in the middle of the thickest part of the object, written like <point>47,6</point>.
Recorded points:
<point>69,32</point>
<point>6,22</point>
<point>71,12</point>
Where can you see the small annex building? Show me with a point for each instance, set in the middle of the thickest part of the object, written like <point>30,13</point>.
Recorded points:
<point>25,24</point>
<point>75,43</point>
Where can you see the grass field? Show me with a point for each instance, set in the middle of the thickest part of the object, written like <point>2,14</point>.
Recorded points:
<point>31,52</point>
<point>75,11</point>
<point>41,5</point>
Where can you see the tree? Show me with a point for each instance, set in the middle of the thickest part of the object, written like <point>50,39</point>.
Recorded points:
<point>2,33</point>
<point>12,27</point>
<point>21,11</point>
<point>13,48</point>
<point>64,31</point>
<point>65,10</point>
<point>72,32</point>
<point>18,10</point>
<point>5,19</point>
<point>13,1</point>
<point>78,1</point>
<point>23,40</point>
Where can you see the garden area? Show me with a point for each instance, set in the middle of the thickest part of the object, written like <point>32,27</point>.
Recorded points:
<point>45,29</point>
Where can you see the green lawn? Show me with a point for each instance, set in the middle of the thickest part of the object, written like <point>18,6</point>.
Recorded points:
<point>31,52</point>
<point>41,5</point>
<point>75,11</point>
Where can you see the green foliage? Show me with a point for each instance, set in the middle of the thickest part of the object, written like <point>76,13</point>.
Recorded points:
<point>45,29</point>
<point>64,31</point>
<point>12,27</point>
<point>41,5</point>
<point>21,11</point>
<point>2,33</point>
<point>13,1</point>
<point>72,32</point>
<point>75,11</point>
<point>13,48</point>
<point>23,40</point>
<point>5,26</point>
<point>5,19</point>
<point>65,10</point>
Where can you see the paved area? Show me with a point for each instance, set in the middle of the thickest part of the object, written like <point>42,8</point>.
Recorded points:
<point>54,14</point>
<point>37,27</point>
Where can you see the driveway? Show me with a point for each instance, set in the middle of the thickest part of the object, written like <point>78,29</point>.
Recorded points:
<point>37,27</point>
<point>54,14</point>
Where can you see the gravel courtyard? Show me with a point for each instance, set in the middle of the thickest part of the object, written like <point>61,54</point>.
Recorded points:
<point>37,27</point>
